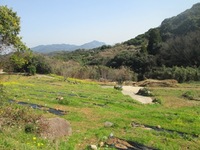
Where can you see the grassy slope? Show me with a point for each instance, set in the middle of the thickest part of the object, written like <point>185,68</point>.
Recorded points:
<point>89,106</point>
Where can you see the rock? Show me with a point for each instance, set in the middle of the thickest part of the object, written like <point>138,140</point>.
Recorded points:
<point>53,128</point>
<point>134,124</point>
<point>158,126</point>
<point>101,144</point>
<point>120,146</point>
<point>111,135</point>
<point>146,128</point>
<point>118,143</point>
<point>125,143</point>
<point>108,124</point>
<point>59,98</point>
<point>93,147</point>
<point>111,141</point>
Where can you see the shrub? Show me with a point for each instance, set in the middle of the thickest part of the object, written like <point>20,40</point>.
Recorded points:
<point>144,92</point>
<point>16,115</point>
<point>42,64</point>
<point>30,128</point>
<point>31,70</point>
<point>180,74</point>
<point>64,102</point>
<point>118,87</point>
<point>191,95</point>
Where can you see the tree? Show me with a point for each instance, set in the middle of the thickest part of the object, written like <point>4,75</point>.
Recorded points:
<point>42,63</point>
<point>181,51</point>
<point>21,60</point>
<point>9,30</point>
<point>154,41</point>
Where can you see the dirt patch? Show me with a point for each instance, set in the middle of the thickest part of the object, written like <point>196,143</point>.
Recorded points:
<point>43,76</point>
<point>132,92</point>
<point>160,83</point>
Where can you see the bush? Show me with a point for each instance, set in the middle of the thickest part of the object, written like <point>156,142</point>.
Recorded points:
<point>64,102</point>
<point>42,64</point>
<point>31,70</point>
<point>191,95</point>
<point>180,74</point>
<point>188,95</point>
<point>16,115</point>
<point>144,92</point>
<point>30,128</point>
<point>118,87</point>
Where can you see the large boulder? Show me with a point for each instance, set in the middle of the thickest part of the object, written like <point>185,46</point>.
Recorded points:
<point>53,128</point>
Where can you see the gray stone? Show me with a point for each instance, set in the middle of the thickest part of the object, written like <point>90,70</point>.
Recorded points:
<point>108,124</point>
<point>158,126</point>
<point>101,144</point>
<point>93,147</point>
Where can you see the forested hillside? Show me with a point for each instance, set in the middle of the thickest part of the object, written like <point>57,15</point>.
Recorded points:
<point>172,50</point>
<point>173,47</point>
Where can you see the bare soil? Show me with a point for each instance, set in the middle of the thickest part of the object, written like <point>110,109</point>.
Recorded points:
<point>157,83</point>
<point>131,91</point>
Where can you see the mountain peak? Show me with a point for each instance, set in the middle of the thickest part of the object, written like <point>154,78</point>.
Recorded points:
<point>66,47</point>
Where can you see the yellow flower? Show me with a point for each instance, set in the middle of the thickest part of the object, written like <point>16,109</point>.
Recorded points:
<point>34,138</point>
<point>38,144</point>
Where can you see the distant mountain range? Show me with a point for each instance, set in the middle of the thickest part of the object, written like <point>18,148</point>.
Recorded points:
<point>66,47</point>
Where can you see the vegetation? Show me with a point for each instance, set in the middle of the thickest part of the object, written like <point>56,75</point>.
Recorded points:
<point>170,51</point>
<point>145,92</point>
<point>186,22</point>
<point>89,106</point>
<point>9,29</point>
<point>181,74</point>
<point>166,52</point>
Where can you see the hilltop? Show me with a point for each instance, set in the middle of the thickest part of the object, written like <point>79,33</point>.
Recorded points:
<point>66,47</point>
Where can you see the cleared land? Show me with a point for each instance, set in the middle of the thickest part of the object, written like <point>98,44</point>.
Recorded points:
<point>132,92</point>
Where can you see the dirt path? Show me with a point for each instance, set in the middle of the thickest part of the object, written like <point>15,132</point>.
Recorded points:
<point>42,75</point>
<point>131,91</point>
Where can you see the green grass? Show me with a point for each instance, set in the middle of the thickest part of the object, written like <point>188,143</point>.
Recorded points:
<point>89,106</point>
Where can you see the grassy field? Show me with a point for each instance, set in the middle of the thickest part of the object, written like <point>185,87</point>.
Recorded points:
<point>89,106</point>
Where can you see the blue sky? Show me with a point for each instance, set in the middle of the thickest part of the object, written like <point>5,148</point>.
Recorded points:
<point>81,21</point>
